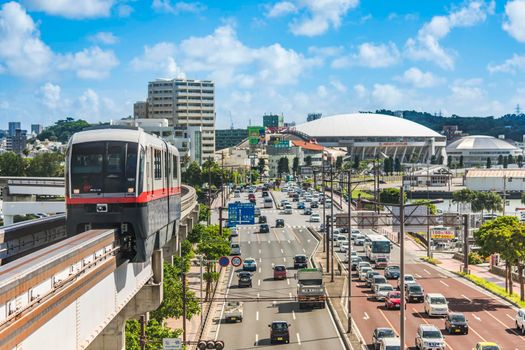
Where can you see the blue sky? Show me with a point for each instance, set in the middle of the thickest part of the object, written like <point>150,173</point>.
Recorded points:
<point>92,59</point>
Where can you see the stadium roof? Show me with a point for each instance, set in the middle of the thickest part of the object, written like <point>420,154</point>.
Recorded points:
<point>363,125</point>
<point>480,142</point>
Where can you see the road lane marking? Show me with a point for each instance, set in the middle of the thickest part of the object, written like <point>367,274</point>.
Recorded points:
<point>275,233</point>
<point>366,317</point>
<point>258,282</point>
<point>417,275</point>
<point>479,335</point>
<point>509,316</point>
<point>503,324</point>
<point>290,295</point>
<point>443,283</point>
<point>298,339</point>
<point>427,271</point>
<point>250,242</point>
<point>289,241</point>
<point>282,251</point>
<point>257,316</point>
<point>256,339</point>
<point>259,251</point>
<point>288,281</point>
<point>389,323</point>
<point>293,314</point>
<point>258,295</point>
<point>269,241</point>
<point>476,317</point>
<point>284,259</point>
<point>464,296</point>
<point>304,250</point>
<point>260,269</point>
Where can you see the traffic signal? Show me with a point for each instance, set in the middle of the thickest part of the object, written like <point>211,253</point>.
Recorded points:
<point>210,344</point>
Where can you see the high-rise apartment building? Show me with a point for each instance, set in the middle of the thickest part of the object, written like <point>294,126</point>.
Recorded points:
<point>36,129</point>
<point>140,110</point>
<point>17,142</point>
<point>12,128</point>
<point>229,137</point>
<point>188,103</point>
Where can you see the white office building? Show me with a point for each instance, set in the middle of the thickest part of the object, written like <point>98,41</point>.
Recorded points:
<point>184,102</point>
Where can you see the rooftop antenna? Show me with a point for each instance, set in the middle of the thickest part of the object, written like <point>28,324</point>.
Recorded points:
<point>231,120</point>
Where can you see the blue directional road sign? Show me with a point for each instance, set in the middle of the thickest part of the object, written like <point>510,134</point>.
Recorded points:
<point>241,214</point>
<point>224,261</point>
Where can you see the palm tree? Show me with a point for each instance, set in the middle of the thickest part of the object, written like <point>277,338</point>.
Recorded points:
<point>463,196</point>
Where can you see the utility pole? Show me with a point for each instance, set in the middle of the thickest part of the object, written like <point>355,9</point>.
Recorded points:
<point>402,265</point>
<point>349,306</point>
<point>220,221</point>
<point>209,191</point>
<point>332,220</point>
<point>184,307</point>
<point>222,180</point>
<point>142,322</point>
<point>504,193</point>
<point>466,224</point>
<point>428,233</point>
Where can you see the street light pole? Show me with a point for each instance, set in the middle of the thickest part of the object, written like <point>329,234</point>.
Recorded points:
<point>402,265</point>
<point>332,221</point>
<point>349,306</point>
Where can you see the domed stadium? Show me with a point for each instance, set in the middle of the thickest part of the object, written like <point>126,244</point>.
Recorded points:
<point>477,148</point>
<point>370,135</point>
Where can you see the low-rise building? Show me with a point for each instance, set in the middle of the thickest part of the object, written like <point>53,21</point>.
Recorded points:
<point>499,180</point>
<point>283,149</point>
<point>313,150</point>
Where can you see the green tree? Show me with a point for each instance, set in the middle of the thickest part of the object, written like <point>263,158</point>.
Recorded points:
<point>500,159</point>
<point>46,164</point>
<point>63,129</point>
<point>432,209</point>
<point>204,212</point>
<point>308,160</point>
<point>522,197</point>
<point>519,161</point>
<point>462,196</point>
<point>460,164</point>
<point>391,195</point>
<point>356,162</point>
<point>155,331</point>
<point>283,166</point>
<point>260,165</point>
<point>505,162</point>
<point>449,162</point>
<point>295,165</point>
<point>397,165</point>
<point>196,233</point>
<point>489,163</point>
<point>192,175</point>
<point>339,162</point>
<point>12,164</point>
<point>441,159</point>
<point>510,159</point>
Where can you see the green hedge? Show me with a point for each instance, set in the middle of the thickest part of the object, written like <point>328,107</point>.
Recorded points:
<point>432,261</point>
<point>494,288</point>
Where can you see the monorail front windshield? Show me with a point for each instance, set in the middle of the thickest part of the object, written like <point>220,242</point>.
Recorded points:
<point>103,167</point>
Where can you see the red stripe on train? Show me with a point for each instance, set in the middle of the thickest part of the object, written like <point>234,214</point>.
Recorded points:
<point>144,197</point>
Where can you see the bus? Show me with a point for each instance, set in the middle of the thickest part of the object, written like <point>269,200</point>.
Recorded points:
<point>377,246</point>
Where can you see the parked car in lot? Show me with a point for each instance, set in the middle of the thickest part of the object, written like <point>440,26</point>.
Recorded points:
<point>520,320</point>
<point>392,272</point>
<point>279,272</point>
<point>279,332</point>
<point>380,333</point>
<point>264,228</point>
<point>455,323</point>
<point>393,300</point>
<point>249,264</point>
<point>279,223</point>
<point>414,293</point>
<point>436,304</point>
<point>245,279</point>
<point>300,261</point>
<point>429,337</point>
<point>381,290</point>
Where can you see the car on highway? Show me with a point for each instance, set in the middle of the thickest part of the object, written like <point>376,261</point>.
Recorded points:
<point>314,205</point>
<point>359,240</point>
<point>256,211</point>
<point>343,247</point>
<point>234,232</point>
<point>429,337</point>
<point>486,345</point>
<point>393,300</point>
<point>381,263</point>
<point>379,334</point>
<point>262,219</point>
<point>520,320</point>
<point>392,272</point>
<point>249,264</point>
<point>265,194</point>
<point>315,217</point>
<point>245,279</point>
<point>377,280</point>
<point>236,193</point>
<point>355,261</point>
<point>295,198</point>
<point>408,279</point>
<point>288,209</point>
<point>300,261</point>
<point>264,228</point>
<point>370,275</point>
<point>381,290</point>
<point>300,205</point>
<point>338,238</point>
<point>251,198</point>
<point>455,323</point>
<point>414,293</point>
<point>279,223</point>
<point>436,304</point>
<point>235,249</point>
<point>363,264</point>
<point>268,203</point>
<point>363,271</point>
<point>307,211</point>
<point>279,332</point>
<point>390,344</point>
<point>279,272</point>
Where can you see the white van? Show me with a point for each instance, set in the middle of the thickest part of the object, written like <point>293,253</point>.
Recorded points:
<point>288,209</point>
<point>235,249</point>
<point>268,203</point>
<point>390,344</point>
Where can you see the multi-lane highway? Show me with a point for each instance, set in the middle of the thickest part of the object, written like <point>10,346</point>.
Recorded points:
<point>489,318</point>
<point>311,329</point>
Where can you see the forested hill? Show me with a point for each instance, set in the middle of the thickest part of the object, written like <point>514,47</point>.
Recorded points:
<point>510,125</point>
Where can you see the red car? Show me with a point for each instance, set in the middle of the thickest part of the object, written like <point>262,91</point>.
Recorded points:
<point>251,197</point>
<point>279,272</point>
<point>393,300</point>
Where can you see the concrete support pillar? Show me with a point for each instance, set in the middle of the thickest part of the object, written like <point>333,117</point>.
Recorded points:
<point>9,220</point>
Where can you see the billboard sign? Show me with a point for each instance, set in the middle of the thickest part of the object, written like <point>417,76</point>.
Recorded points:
<point>256,135</point>
<point>441,232</point>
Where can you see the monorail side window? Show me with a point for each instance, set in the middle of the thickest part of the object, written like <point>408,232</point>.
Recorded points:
<point>157,165</point>
<point>175,167</point>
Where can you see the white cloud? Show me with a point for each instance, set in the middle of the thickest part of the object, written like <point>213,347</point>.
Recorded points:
<point>515,24</point>
<point>50,94</point>
<point>90,63</point>
<point>387,96</point>
<point>74,9</point>
<point>361,91</point>
<point>370,55</point>
<point>281,8</point>
<point>512,65</point>
<point>178,7</point>
<point>467,91</point>
<point>322,91</point>
<point>22,52</point>
<point>420,79</point>
<point>89,104</point>
<point>426,46</point>
<point>160,58</point>
<point>314,17</point>
<point>340,87</point>
<point>107,38</point>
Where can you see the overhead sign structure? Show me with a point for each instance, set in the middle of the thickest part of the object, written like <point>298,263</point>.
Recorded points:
<point>224,261</point>
<point>171,344</point>
<point>236,261</point>
<point>241,214</point>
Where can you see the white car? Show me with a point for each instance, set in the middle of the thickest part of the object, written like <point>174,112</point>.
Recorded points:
<point>288,209</point>
<point>315,218</point>
<point>363,271</point>
<point>381,291</point>
<point>408,279</point>
<point>429,337</point>
<point>340,238</point>
<point>363,264</point>
<point>436,304</point>
<point>520,320</point>
<point>343,246</point>
<point>235,249</point>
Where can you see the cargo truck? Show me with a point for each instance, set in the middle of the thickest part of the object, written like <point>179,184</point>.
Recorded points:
<point>310,288</point>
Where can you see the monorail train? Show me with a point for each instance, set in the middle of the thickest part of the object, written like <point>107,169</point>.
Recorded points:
<point>124,178</point>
